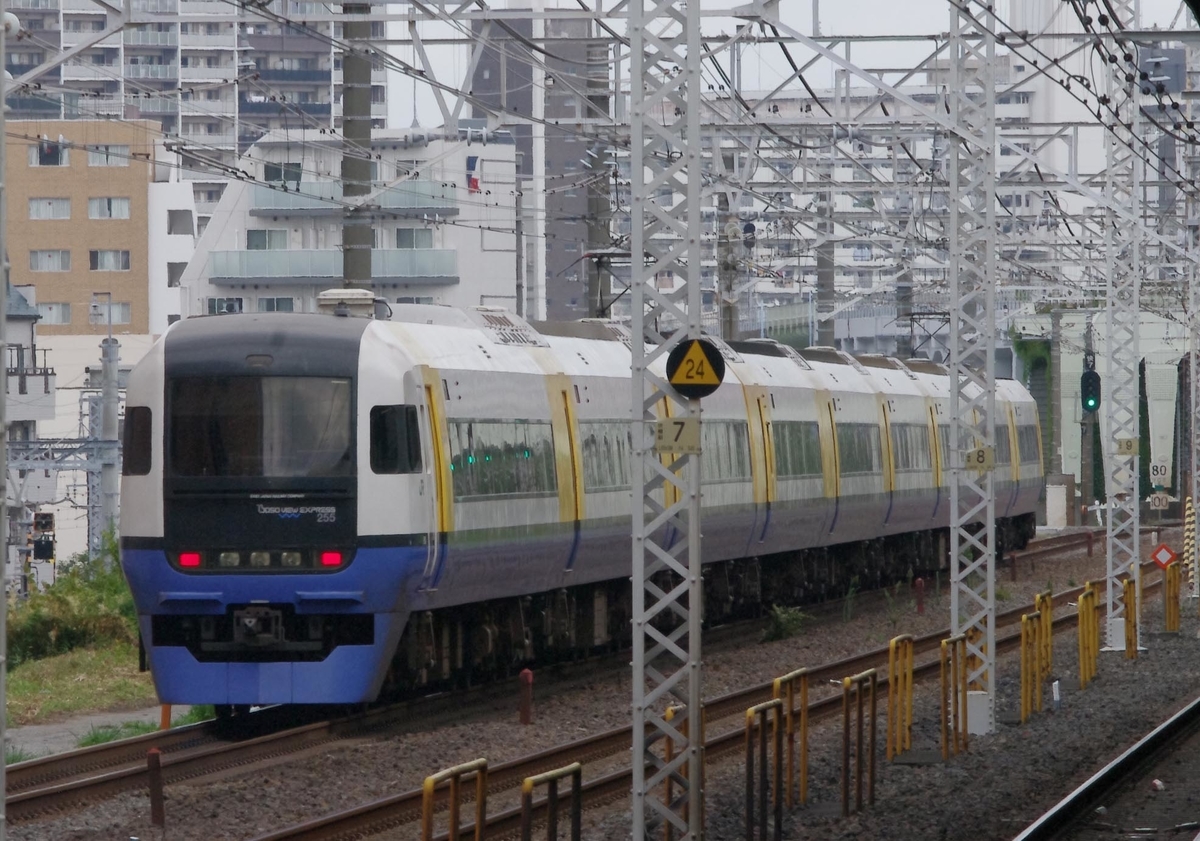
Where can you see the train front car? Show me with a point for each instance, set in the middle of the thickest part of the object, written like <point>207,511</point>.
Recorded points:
<point>240,512</point>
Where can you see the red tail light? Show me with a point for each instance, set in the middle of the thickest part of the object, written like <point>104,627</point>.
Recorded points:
<point>189,559</point>
<point>331,559</point>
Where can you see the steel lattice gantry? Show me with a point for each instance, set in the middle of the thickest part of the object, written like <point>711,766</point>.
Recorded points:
<point>972,177</point>
<point>667,591</point>
<point>1122,351</point>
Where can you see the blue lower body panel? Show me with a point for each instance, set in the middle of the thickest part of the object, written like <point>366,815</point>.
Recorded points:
<point>373,583</point>
<point>350,674</point>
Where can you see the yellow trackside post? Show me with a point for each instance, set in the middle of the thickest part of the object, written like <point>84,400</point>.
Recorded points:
<point>853,687</point>
<point>900,695</point>
<point>785,690</point>
<point>1172,580</point>
<point>551,779</point>
<point>1043,604</point>
<point>1031,665</point>
<point>954,694</point>
<point>1089,635</point>
<point>759,717</point>
<point>1131,619</point>
<point>455,776</point>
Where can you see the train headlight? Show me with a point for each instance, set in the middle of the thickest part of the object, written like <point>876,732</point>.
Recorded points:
<point>229,559</point>
<point>260,559</point>
<point>291,559</point>
<point>189,559</point>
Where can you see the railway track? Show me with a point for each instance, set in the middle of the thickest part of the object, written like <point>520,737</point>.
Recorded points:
<point>387,814</point>
<point>1178,734</point>
<point>66,781</point>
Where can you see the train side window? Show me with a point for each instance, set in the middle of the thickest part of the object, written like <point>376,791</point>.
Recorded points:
<point>137,444</point>
<point>395,440</point>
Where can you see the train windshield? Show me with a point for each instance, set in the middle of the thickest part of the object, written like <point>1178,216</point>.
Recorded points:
<point>275,427</point>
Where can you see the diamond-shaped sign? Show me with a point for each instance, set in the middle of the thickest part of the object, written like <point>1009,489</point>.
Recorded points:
<point>1162,555</point>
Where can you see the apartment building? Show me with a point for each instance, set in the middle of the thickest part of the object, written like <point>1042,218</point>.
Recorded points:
<point>212,76</point>
<point>442,210</point>
<point>96,207</point>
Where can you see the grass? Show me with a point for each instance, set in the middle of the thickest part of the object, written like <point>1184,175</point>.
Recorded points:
<point>195,714</point>
<point>15,755</point>
<point>102,733</point>
<point>80,681</point>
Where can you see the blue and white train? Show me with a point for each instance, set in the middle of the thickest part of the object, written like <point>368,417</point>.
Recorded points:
<point>318,509</point>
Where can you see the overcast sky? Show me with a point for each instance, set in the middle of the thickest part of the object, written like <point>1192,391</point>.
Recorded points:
<point>762,65</point>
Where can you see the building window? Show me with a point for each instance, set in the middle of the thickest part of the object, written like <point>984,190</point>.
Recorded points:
<point>175,273</point>
<point>289,171</point>
<point>55,313</point>
<point>415,299</point>
<point>221,306</point>
<point>108,208</point>
<point>50,261</point>
<point>414,238</point>
<point>108,261</point>
<point>276,305</point>
<point>108,155</point>
<point>118,311</point>
<point>271,239</point>
<point>179,222</point>
<point>48,153</point>
<point>49,208</point>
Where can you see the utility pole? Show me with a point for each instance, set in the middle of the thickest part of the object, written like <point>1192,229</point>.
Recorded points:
<point>825,269</point>
<point>598,230</point>
<point>8,22</point>
<point>599,209</point>
<point>110,488</point>
<point>1087,425</point>
<point>904,304</point>
<point>727,264</point>
<point>519,231</point>
<point>358,234</point>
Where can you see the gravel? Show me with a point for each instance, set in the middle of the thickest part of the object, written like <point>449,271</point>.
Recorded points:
<point>993,791</point>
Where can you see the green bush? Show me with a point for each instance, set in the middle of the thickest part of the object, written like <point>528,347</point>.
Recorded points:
<point>783,623</point>
<point>88,604</point>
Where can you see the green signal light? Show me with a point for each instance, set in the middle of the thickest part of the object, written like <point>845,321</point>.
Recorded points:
<point>1091,401</point>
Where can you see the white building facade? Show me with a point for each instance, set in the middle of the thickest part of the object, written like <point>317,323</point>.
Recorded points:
<point>442,208</point>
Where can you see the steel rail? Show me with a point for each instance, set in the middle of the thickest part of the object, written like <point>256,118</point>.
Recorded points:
<point>388,813</point>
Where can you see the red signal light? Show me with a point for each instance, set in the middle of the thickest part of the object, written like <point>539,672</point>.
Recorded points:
<point>331,559</point>
<point>189,559</point>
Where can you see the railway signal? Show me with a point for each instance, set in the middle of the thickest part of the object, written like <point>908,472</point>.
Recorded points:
<point>1089,391</point>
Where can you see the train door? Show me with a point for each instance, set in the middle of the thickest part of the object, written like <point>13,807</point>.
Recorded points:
<point>436,489</point>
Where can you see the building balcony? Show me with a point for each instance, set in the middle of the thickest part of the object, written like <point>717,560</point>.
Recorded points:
<point>196,41</point>
<point>207,107</point>
<point>32,5</point>
<point>31,386</point>
<point>155,104</point>
<point>150,38</point>
<point>91,71</point>
<point>41,106</point>
<point>70,39</point>
<point>151,71</point>
<point>207,74</point>
<point>155,7</point>
<point>294,76</point>
<point>203,7</point>
<point>91,106</point>
<point>315,109</point>
<point>284,42</point>
<point>427,266</point>
<point>325,197</point>
<point>203,138</point>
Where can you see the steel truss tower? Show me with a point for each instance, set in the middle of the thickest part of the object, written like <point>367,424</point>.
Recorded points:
<point>665,105</point>
<point>972,177</point>
<point>1122,243</point>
